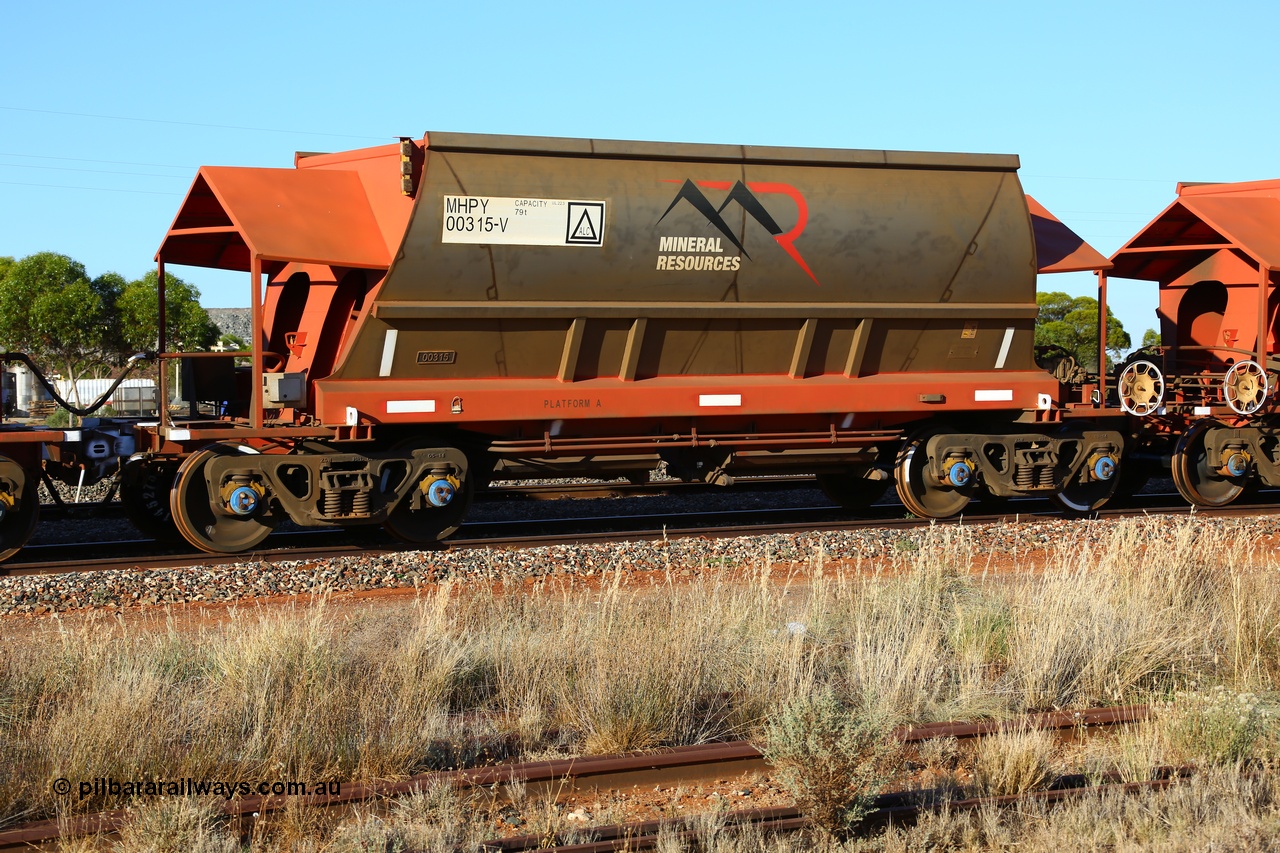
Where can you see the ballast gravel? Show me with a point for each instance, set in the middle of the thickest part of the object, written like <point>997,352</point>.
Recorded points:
<point>115,590</point>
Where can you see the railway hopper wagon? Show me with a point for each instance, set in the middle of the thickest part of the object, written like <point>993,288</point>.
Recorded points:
<point>1203,402</point>
<point>432,315</point>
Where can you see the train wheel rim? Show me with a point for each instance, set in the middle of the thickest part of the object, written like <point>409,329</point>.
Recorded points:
<point>851,491</point>
<point>17,526</point>
<point>195,517</point>
<point>429,526</point>
<point>1193,476</point>
<point>1085,496</point>
<point>916,492</point>
<point>145,486</point>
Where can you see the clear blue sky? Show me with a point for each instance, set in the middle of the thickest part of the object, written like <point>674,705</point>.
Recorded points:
<point>106,110</point>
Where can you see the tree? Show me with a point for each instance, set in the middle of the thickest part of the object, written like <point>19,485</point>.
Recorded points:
<point>1071,322</point>
<point>187,325</point>
<point>1150,338</point>
<point>50,309</point>
<point>228,341</point>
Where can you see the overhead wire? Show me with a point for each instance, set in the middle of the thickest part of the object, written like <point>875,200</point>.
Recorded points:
<point>93,171</point>
<point>87,160</point>
<point>73,187</point>
<point>191,123</point>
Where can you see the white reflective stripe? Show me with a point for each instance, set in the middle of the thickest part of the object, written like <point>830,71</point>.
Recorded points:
<point>719,399</point>
<point>1004,347</point>
<point>993,395</point>
<point>388,352</point>
<point>179,435</point>
<point>401,407</point>
<point>353,416</point>
<point>71,435</point>
<point>1203,410</point>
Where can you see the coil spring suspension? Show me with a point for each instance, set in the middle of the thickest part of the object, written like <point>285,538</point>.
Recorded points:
<point>332,503</point>
<point>346,493</point>
<point>1025,476</point>
<point>1045,477</point>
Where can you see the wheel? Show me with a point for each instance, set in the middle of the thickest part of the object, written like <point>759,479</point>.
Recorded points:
<point>850,491</point>
<point>195,517</point>
<point>430,524</point>
<point>917,489</point>
<point>144,490</point>
<point>17,525</point>
<point>1141,388</point>
<point>1084,493</point>
<point>1245,387</point>
<point>1087,490</point>
<point>1197,477</point>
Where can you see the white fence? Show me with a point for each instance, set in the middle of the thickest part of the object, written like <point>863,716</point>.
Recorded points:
<point>134,397</point>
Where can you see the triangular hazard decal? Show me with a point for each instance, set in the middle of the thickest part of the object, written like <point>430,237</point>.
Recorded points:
<point>585,229</point>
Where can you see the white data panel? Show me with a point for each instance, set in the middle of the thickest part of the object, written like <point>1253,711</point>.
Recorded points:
<point>522,221</point>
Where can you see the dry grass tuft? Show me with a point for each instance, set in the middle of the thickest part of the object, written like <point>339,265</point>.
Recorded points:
<point>1146,611</point>
<point>1013,762</point>
<point>176,825</point>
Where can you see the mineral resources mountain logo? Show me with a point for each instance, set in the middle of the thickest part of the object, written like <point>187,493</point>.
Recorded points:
<point>707,253</point>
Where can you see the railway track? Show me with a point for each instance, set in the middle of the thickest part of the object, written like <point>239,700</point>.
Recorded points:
<point>560,778</point>
<point>303,545</point>
<point>902,807</point>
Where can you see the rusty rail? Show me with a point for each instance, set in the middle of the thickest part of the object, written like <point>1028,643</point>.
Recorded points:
<point>1040,510</point>
<point>898,807</point>
<point>680,763</point>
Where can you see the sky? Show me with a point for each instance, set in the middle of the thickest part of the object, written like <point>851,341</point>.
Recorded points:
<point>107,110</point>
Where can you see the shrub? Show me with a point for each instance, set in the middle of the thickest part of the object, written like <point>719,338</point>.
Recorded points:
<point>1216,727</point>
<point>831,758</point>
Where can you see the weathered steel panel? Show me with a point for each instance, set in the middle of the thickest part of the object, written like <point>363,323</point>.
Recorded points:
<point>937,247</point>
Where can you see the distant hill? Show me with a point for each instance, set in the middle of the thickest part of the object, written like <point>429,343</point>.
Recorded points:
<point>232,321</point>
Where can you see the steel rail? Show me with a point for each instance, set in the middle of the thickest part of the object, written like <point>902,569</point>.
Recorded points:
<point>493,535</point>
<point>897,807</point>
<point>685,763</point>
